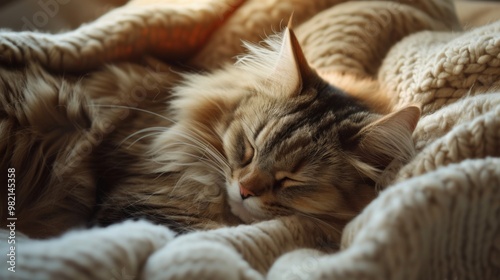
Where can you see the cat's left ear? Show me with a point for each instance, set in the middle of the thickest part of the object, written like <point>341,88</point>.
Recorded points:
<point>388,138</point>
<point>292,72</point>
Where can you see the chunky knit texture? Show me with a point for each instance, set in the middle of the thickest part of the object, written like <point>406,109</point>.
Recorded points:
<point>439,219</point>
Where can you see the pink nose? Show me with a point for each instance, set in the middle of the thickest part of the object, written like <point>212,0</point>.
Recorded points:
<point>245,193</point>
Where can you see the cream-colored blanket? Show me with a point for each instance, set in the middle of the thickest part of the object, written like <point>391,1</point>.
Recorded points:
<point>440,219</point>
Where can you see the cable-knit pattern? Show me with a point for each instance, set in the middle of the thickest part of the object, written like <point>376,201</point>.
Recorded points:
<point>123,33</point>
<point>453,210</point>
<point>444,68</point>
<point>478,138</point>
<point>364,25</point>
<point>92,254</point>
<point>438,220</point>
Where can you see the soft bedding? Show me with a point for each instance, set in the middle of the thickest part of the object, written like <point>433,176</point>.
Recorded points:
<point>438,219</point>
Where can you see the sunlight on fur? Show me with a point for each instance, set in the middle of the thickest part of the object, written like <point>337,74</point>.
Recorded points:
<point>267,137</point>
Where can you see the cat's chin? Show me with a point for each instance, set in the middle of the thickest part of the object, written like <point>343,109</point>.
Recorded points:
<point>238,206</point>
<point>241,212</point>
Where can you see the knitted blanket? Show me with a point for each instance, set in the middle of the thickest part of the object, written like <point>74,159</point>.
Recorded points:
<point>438,219</point>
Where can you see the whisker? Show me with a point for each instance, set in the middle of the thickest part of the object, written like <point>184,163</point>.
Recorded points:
<point>197,139</point>
<point>214,157</point>
<point>203,146</point>
<point>154,128</point>
<point>133,108</point>
<point>213,149</point>
<point>204,160</point>
<point>144,136</point>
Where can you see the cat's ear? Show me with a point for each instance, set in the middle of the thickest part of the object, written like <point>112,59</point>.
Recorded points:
<point>388,138</point>
<point>292,72</point>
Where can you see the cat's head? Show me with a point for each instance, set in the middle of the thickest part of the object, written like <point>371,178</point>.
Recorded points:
<point>292,143</point>
<point>298,145</point>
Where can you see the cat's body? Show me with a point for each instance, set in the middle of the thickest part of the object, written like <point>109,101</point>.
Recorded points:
<point>263,139</point>
<point>258,140</point>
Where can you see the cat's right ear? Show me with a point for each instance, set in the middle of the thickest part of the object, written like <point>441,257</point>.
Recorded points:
<point>281,67</point>
<point>292,72</point>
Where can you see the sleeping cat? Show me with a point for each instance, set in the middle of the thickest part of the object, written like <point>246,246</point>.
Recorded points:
<point>266,137</point>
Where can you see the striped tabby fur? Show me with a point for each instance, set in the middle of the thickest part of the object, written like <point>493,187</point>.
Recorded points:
<point>263,138</point>
<point>267,137</point>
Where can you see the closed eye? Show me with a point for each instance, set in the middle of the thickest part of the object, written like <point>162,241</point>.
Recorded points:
<point>287,179</point>
<point>287,183</point>
<point>248,153</point>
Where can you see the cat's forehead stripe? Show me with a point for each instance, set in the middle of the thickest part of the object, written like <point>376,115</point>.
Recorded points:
<point>267,128</point>
<point>295,120</point>
<point>294,144</point>
<point>324,114</point>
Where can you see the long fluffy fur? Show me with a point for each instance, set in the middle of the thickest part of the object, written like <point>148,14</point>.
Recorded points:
<point>51,127</point>
<point>105,147</point>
